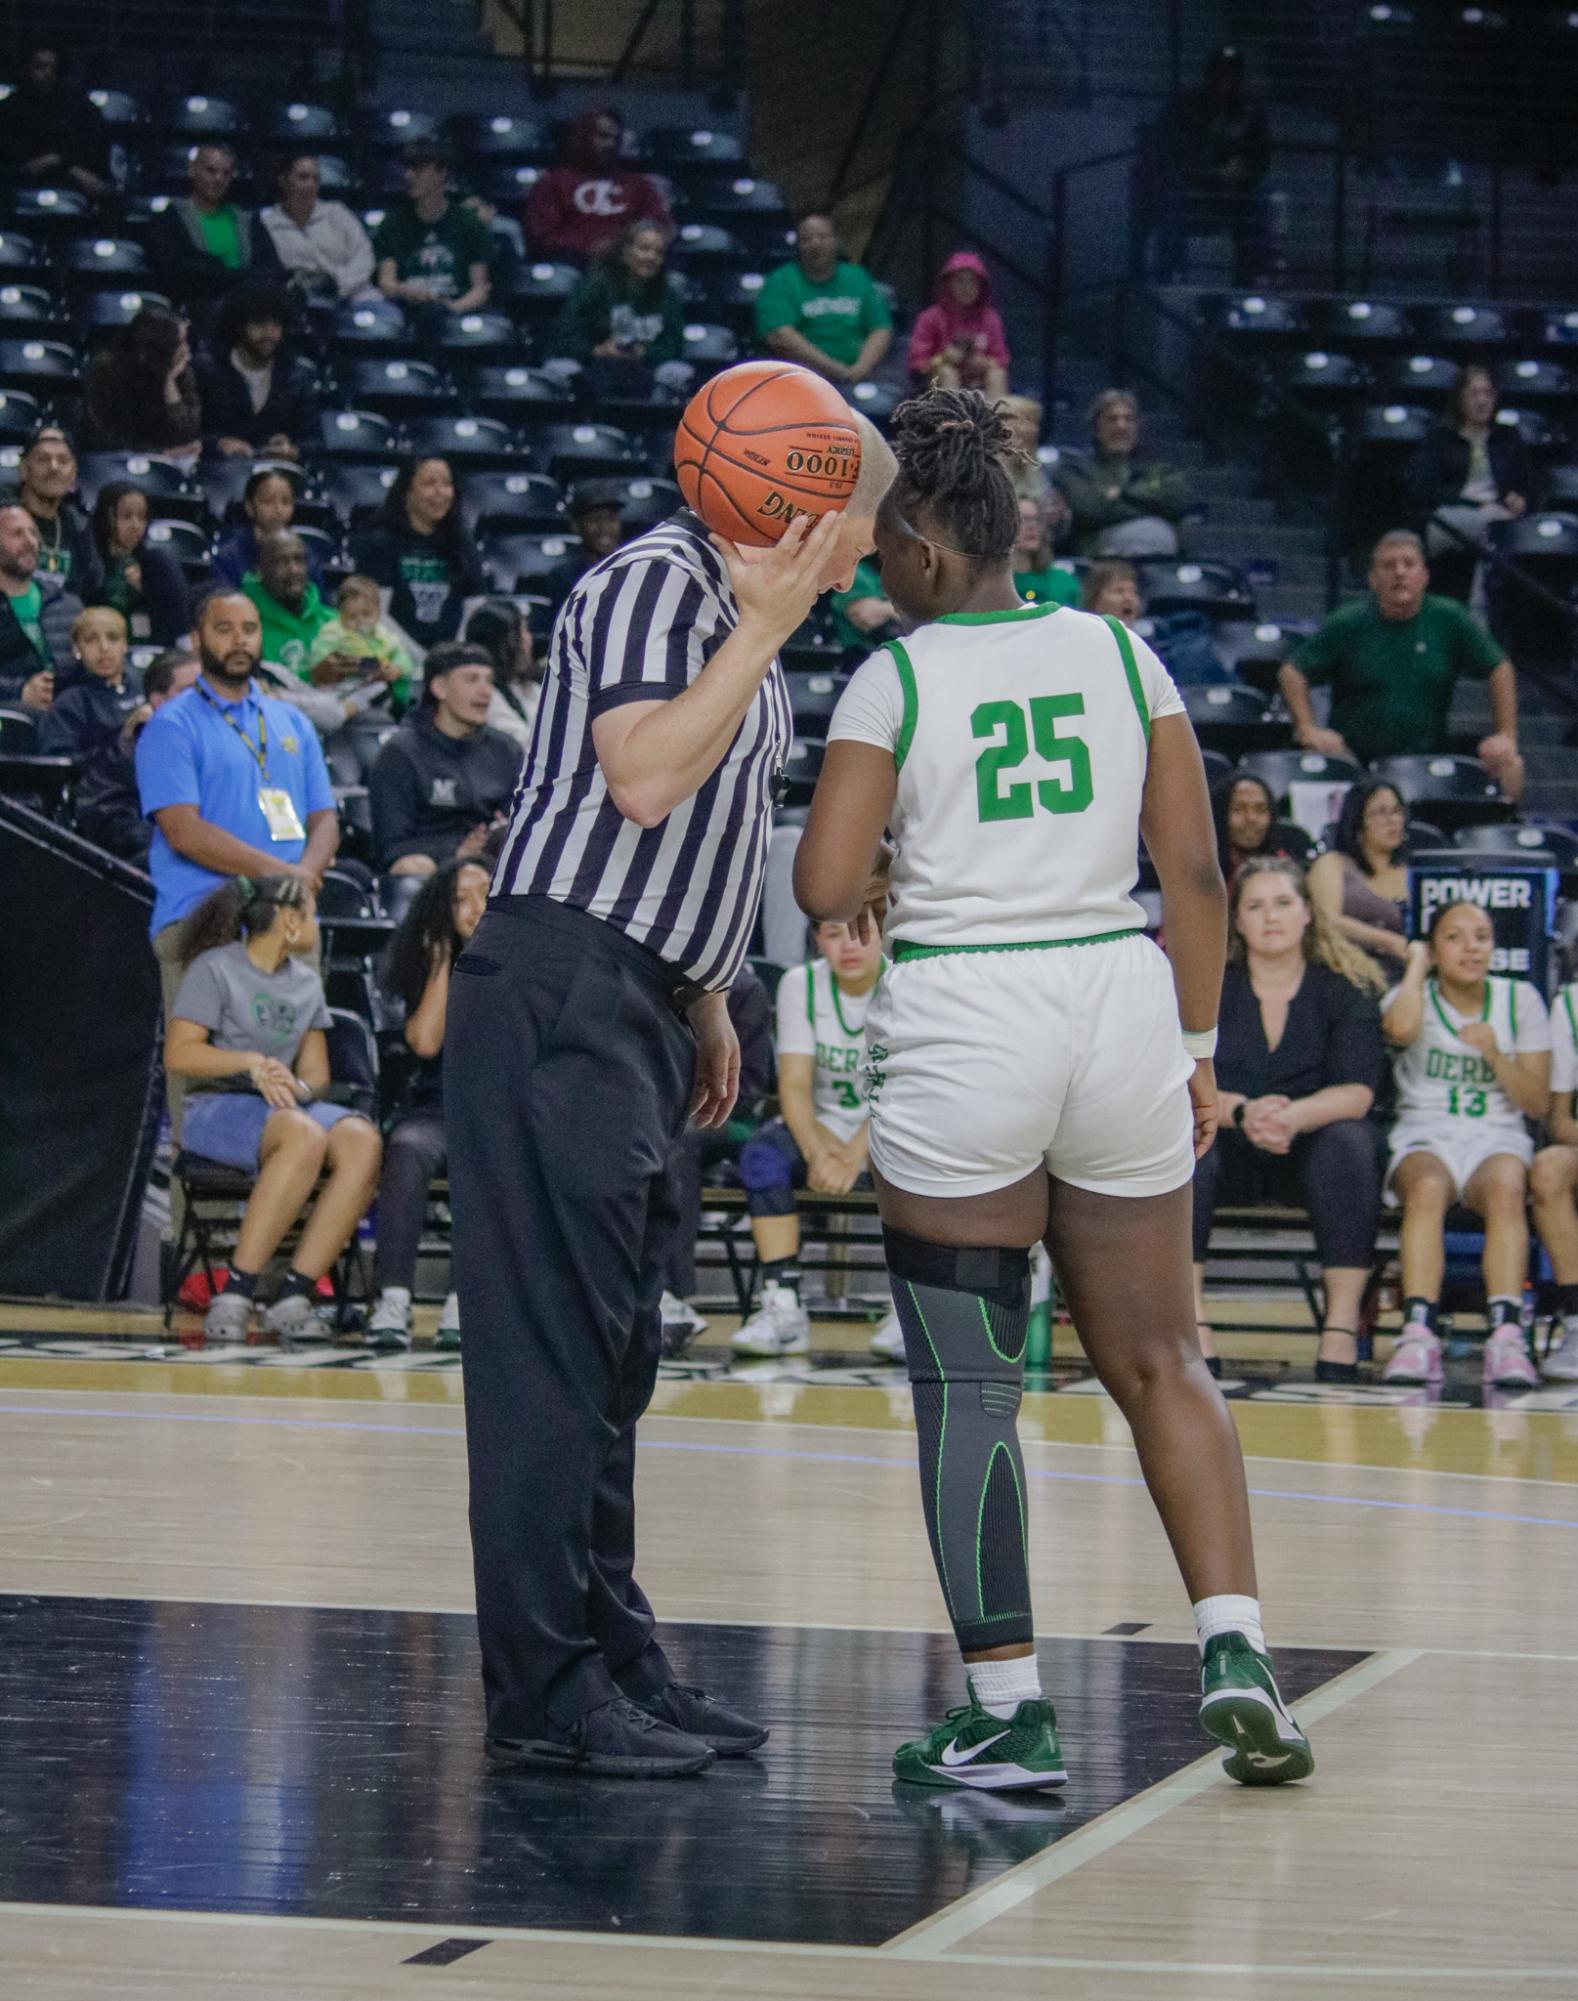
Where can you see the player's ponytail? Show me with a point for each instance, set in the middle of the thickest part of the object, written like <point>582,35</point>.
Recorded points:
<point>240,908</point>
<point>953,448</point>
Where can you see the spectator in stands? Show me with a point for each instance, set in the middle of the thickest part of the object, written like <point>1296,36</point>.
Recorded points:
<point>597,511</point>
<point>417,551</point>
<point>246,1035</point>
<point>106,808</point>
<point>268,503</point>
<point>1037,578</point>
<point>1553,1187</point>
<point>52,136</point>
<point>290,607</point>
<point>820,1140</point>
<point>958,342</point>
<point>1111,589</point>
<point>1122,504</point>
<point>255,398</point>
<point>1472,1062</point>
<point>443,780</point>
<point>147,587</point>
<point>101,693</point>
<point>358,641</point>
<point>1247,827</point>
<point>500,628</point>
<point>432,250</point>
<point>698,1153</point>
<point>204,244</point>
<point>1214,146</point>
<point>46,479</point>
<point>1361,886</point>
<point>578,208</point>
<point>863,615</point>
<point>320,244</point>
<point>1392,661</point>
<point>1299,1061</point>
<point>625,321</point>
<point>233,780</point>
<point>1031,480</point>
<point>415,976</point>
<point>36,615</point>
<point>140,393</point>
<point>822,311</point>
<point>1468,474</point>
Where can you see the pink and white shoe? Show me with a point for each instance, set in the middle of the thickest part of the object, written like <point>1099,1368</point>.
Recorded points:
<point>1507,1362</point>
<point>1416,1358</point>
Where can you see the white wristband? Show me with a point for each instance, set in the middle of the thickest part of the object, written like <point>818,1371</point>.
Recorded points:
<point>1200,1043</point>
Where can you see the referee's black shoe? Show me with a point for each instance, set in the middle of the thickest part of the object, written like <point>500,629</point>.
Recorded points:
<point>693,1711</point>
<point>618,1739</point>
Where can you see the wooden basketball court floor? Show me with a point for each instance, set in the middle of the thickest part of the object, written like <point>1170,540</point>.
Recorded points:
<point>239,1716</point>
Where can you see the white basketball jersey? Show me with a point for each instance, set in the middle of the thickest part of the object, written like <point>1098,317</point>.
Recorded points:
<point>817,1018</point>
<point>1564,1040</point>
<point>1443,1085</point>
<point>1021,739</point>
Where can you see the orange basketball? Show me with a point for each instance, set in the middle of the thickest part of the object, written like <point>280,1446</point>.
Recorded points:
<point>761,443</point>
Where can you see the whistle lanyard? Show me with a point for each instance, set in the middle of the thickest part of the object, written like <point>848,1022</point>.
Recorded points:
<point>259,749</point>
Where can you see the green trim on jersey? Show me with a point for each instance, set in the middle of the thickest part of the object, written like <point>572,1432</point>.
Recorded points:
<point>906,736</point>
<point>1572,1020</point>
<point>1131,668</point>
<point>1484,1013</point>
<point>903,949</point>
<point>1018,616</point>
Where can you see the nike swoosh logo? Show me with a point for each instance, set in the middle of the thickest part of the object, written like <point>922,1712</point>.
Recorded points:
<point>1264,1763</point>
<point>952,1755</point>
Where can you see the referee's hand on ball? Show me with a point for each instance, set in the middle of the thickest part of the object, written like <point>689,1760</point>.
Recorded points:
<point>775,588</point>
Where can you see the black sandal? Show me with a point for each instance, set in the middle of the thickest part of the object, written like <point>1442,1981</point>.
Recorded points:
<point>1337,1372</point>
<point>1213,1363</point>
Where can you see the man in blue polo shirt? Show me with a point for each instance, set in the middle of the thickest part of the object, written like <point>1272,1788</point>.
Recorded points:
<point>234,782</point>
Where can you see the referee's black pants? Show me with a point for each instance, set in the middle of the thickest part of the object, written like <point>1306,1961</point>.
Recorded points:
<point>567,1079</point>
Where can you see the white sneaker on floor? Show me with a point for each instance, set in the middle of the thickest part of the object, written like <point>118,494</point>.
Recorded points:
<point>1416,1358</point>
<point>680,1317</point>
<point>389,1324</point>
<point>448,1335</point>
<point>1507,1363</point>
<point>228,1319</point>
<point>292,1321</point>
<point>888,1340</point>
<point>779,1326</point>
<point>1561,1359</point>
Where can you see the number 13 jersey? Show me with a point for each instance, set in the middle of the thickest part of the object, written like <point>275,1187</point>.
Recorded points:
<point>1021,740</point>
<point>1443,1085</point>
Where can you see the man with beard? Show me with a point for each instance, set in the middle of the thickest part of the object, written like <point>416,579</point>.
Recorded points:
<point>36,614</point>
<point>256,399</point>
<point>46,476</point>
<point>234,782</point>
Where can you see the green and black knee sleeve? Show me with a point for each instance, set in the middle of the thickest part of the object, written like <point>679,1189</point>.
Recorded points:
<point>965,1314</point>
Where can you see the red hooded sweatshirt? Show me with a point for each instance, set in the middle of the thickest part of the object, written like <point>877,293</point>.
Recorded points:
<point>946,324</point>
<point>580,206</point>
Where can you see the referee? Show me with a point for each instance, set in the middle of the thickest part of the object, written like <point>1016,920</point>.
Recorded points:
<point>587,1019</point>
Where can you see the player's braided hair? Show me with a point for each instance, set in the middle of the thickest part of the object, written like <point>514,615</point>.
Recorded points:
<point>953,448</point>
<point>241,908</point>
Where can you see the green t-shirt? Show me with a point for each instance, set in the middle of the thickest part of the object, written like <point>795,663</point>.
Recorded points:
<point>1053,585</point>
<point>287,635</point>
<point>867,584</point>
<point>222,236</point>
<point>835,315</point>
<point>28,611</point>
<point>1392,679</point>
<point>438,254</point>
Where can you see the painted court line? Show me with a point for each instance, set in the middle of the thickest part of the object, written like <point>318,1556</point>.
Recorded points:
<point>934,1937</point>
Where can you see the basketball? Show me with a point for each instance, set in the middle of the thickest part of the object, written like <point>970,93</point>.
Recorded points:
<point>763,443</point>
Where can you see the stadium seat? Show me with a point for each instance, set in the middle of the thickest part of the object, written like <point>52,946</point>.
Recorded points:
<point>1233,718</point>
<point>479,337</point>
<point>1366,322</point>
<point>373,326</point>
<point>536,292</point>
<point>1561,489</point>
<point>513,501</point>
<point>301,124</point>
<point>742,196</point>
<point>702,245</point>
<point>202,117</point>
<point>335,176</point>
<point>523,562</point>
<point>108,261</point>
<point>876,400</point>
<point>730,296</point>
<point>18,733</point>
<point>1213,588</point>
<point>185,541</point>
<point>709,348</point>
<point>1319,377</point>
<point>388,128</point>
<point>1253,650</point>
<point>101,315</point>
<point>1545,547</point>
<point>1535,430</point>
<point>355,489</point>
<point>1282,769</point>
<point>224,481</point>
<point>1560,329</point>
<point>579,451</point>
<point>1457,790</point>
<point>1530,381</point>
<point>395,386</point>
<point>813,698</point>
<point>673,148</point>
<point>1419,378</point>
<point>502,137</point>
<point>1476,327</point>
<point>172,492</point>
<point>480,441</point>
<point>19,252</point>
<point>511,394</point>
<point>1255,314</point>
<point>325,545</point>
<point>1385,437</point>
<point>51,213</point>
<point>38,365</point>
<point>506,183</point>
<point>121,111</point>
<point>802,768</point>
<point>29,306</point>
<point>1520,838</point>
<point>20,416</point>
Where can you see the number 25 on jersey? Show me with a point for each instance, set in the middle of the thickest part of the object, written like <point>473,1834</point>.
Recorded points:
<point>1005,722</point>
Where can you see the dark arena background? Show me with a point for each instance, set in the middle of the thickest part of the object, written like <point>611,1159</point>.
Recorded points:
<point>380,316</point>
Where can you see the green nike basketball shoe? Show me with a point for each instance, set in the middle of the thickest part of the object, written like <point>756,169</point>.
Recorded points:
<point>1241,1708</point>
<point>972,1747</point>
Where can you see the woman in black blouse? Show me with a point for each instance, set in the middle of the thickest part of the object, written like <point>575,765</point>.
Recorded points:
<point>1299,1060</point>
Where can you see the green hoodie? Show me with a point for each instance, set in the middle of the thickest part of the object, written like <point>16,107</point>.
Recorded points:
<point>608,304</point>
<point>288,636</point>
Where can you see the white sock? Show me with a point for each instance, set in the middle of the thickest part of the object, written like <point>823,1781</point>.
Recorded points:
<point>1229,1614</point>
<point>1000,1686</point>
<point>395,1295</point>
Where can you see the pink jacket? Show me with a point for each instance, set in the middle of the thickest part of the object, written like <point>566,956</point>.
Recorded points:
<point>944,324</point>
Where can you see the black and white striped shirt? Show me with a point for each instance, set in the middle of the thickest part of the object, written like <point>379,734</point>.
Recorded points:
<point>639,628</point>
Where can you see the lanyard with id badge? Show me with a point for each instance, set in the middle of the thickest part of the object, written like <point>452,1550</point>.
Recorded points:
<point>274,802</point>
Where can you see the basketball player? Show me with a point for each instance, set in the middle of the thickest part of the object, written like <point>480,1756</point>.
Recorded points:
<point>1028,1076</point>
